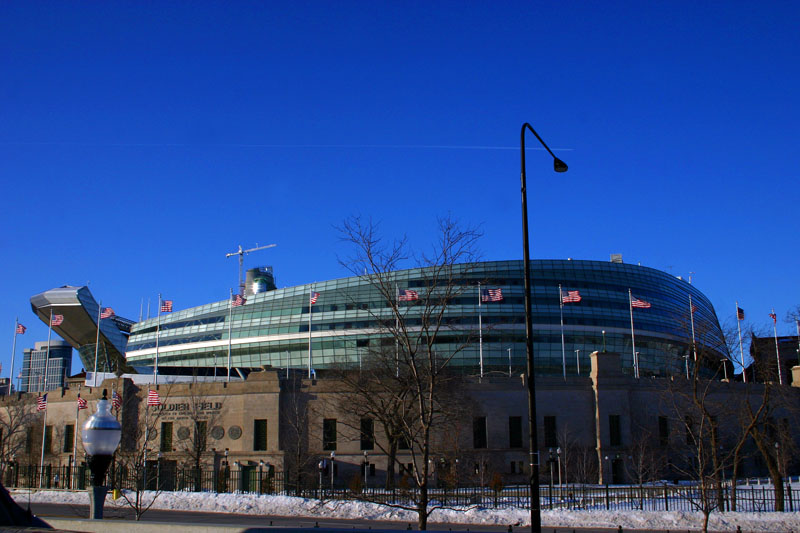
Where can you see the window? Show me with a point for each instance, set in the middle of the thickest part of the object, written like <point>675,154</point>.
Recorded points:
<point>329,434</point>
<point>166,437</point>
<point>69,438</point>
<point>48,439</point>
<point>479,432</point>
<point>260,435</point>
<point>515,432</point>
<point>614,430</point>
<point>663,430</point>
<point>402,443</point>
<point>689,430</point>
<point>367,434</point>
<point>550,435</point>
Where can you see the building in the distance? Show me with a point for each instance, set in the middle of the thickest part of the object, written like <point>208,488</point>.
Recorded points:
<point>35,361</point>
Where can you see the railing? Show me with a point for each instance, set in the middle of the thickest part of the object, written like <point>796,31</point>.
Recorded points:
<point>664,497</point>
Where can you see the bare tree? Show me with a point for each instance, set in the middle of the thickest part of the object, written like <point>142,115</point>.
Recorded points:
<point>414,376</point>
<point>295,420</point>
<point>139,438</point>
<point>202,412</point>
<point>15,427</point>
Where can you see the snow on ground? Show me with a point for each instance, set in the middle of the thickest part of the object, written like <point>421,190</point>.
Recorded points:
<point>302,507</point>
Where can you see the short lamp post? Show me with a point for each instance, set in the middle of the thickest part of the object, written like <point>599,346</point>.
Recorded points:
<point>366,465</point>
<point>100,435</point>
<point>333,460</point>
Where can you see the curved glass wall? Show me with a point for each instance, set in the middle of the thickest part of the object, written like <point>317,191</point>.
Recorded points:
<point>272,328</point>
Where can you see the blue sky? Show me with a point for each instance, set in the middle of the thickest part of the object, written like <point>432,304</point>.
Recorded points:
<point>142,141</point>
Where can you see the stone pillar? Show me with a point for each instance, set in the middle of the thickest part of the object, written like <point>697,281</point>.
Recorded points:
<point>610,389</point>
<point>796,376</point>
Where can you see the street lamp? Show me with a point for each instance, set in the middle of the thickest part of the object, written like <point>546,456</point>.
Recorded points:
<point>100,435</point>
<point>558,166</point>
<point>366,463</point>
<point>333,459</point>
<point>260,470</point>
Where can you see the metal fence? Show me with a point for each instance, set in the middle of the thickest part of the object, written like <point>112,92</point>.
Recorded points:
<point>254,480</point>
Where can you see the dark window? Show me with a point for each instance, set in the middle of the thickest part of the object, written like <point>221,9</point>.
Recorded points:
<point>515,432</point>
<point>614,430</point>
<point>260,435</point>
<point>402,443</point>
<point>48,439</point>
<point>550,435</point>
<point>69,437</point>
<point>689,430</point>
<point>367,434</point>
<point>663,430</point>
<point>329,434</point>
<point>166,436</point>
<point>479,432</point>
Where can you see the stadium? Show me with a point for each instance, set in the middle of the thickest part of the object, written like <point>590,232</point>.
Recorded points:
<point>277,327</point>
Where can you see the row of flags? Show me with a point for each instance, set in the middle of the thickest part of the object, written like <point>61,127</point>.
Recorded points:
<point>116,402</point>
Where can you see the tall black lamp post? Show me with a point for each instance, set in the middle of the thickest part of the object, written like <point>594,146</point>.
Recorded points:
<point>558,166</point>
<point>100,435</point>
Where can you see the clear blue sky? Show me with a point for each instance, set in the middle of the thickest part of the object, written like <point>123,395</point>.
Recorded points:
<point>142,141</point>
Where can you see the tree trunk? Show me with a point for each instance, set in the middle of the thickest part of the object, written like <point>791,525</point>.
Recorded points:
<point>390,460</point>
<point>422,507</point>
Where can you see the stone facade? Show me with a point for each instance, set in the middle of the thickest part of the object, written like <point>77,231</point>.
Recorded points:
<point>589,426</point>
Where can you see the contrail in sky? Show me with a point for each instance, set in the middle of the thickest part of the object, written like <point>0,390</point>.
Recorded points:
<point>253,145</point>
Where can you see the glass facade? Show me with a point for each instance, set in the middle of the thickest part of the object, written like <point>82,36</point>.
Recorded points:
<point>346,321</point>
<point>34,362</point>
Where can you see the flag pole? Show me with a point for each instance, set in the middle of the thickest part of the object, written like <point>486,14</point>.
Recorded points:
<point>694,344</point>
<point>13,353</point>
<point>633,338</point>
<point>777,351</point>
<point>480,330</point>
<point>97,342</point>
<point>397,331</point>
<point>146,426</point>
<point>310,307</point>
<point>230,329</point>
<point>741,350</point>
<point>44,422</point>
<point>563,348</point>
<point>75,444</point>
<point>158,334</point>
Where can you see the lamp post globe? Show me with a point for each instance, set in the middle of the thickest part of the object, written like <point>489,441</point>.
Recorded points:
<point>100,435</point>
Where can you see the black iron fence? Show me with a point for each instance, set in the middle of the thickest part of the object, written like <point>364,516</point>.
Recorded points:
<point>255,480</point>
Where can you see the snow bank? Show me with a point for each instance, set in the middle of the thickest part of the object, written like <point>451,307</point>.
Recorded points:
<point>301,507</point>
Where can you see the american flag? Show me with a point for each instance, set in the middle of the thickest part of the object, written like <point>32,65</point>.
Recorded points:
<point>407,295</point>
<point>41,403</point>
<point>237,300</point>
<point>774,317</point>
<point>82,403</point>
<point>21,329</point>
<point>166,306</point>
<point>116,400</point>
<point>636,302</point>
<point>570,297</point>
<point>491,295</point>
<point>152,398</point>
<point>313,298</point>
<point>107,313</point>
<point>57,320</point>
<point>739,313</point>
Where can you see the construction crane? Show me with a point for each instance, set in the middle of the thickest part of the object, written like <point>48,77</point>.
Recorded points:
<point>241,253</point>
